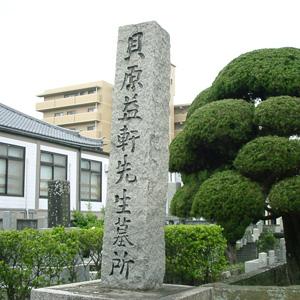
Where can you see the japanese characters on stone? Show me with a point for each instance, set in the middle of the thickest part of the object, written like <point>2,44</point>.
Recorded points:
<point>126,143</point>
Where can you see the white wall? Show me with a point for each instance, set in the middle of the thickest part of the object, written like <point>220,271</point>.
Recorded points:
<point>96,206</point>
<point>28,201</point>
<point>71,175</point>
<point>30,189</point>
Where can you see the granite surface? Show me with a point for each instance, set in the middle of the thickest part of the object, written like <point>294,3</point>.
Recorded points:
<point>94,290</point>
<point>133,246</point>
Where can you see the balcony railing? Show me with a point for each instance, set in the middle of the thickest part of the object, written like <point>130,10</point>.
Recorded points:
<point>67,102</point>
<point>96,134</point>
<point>73,119</point>
<point>179,118</point>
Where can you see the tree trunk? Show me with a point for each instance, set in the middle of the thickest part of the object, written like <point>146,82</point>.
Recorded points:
<point>291,224</point>
<point>231,253</point>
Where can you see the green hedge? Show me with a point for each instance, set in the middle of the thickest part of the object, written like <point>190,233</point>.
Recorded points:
<point>278,116</point>
<point>261,73</point>
<point>221,126</point>
<point>202,99</point>
<point>182,157</point>
<point>284,196</point>
<point>182,200</point>
<point>32,258</point>
<point>231,200</point>
<point>194,254</point>
<point>267,159</point>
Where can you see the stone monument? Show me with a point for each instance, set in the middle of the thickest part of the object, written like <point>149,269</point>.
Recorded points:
<point>133,247</point>
<point>58,203</point>
<point>133,258</point>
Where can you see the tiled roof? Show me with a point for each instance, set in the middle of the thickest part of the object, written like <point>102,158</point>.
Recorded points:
<point>17,122</point>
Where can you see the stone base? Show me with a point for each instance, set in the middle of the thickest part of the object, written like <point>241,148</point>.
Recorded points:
<point>93,290</point>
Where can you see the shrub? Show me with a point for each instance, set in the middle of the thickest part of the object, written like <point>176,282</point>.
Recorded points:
<point>182,201</point>
<point>261,73</point>
<point>182,157</point>
<point>194,253</point>
<point>284,196</point>
<point>86,220</point>
<point>267,159</point>
<point>278,116</point>
<point>202,99</point>
<point>31,258</point>
<point>231,200</point>
<point>90,245</point>
<point>221,126</point>
<point>196,177</point>
<point>267,241</point>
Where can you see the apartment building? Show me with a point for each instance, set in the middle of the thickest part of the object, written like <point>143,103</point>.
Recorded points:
<point>180,112</point>
<point>87,109</point>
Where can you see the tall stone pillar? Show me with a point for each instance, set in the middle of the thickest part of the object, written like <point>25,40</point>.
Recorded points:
<point>133,246</point>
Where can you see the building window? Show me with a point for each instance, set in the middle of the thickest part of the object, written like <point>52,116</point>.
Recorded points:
<point>179,126</point>
<point>92,91</point>
<point>53,167</point>
<point>12,165</point>
<point>72,94</point>
<point>90,128</point>
<point>90,180</point>
<point>92,109</point>
<point>58,114</point>
<point>71,112</point>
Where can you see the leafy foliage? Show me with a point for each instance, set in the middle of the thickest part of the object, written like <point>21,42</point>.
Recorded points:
<point>284,197</point>
<point>220,127</point>
<point>182,157</point>
<point>86,220</point>
<point>278,116</point>
<point>267,159</point>
<point>181,204</point>
<point>202,99</point>
<point>31,258</point>
<point>194,254</point>
<point>221,130</point>
<point>196,177</point>
<point>231,200</point>
<point>182,201</point>
<point>261,73</point>
<point>267,241</point>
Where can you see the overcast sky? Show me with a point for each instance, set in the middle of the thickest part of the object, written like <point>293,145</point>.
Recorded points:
<point>52,43</point>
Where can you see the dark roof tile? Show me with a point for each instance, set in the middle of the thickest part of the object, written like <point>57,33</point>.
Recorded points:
<point>15,121</point>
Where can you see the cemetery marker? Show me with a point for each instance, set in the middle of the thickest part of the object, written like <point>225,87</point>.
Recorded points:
<point>133,246</point>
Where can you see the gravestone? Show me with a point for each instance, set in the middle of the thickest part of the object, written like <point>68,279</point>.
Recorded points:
<point>271,257</point>
<point>58,203</point>
<point>133,246</point>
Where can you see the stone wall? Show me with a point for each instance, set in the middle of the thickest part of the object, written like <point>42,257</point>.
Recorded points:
<point>273,275</point>
<point>263,284</point>
<point>228,292</point>
<point>247,252</point>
